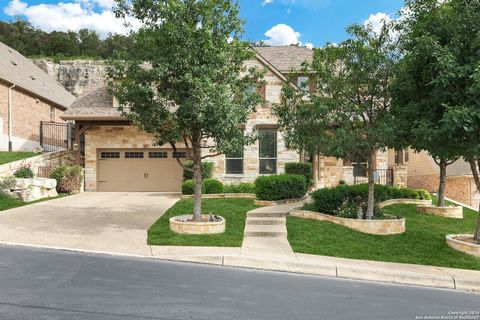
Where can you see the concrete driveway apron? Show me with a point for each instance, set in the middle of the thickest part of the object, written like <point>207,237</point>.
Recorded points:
<point>101,221</point>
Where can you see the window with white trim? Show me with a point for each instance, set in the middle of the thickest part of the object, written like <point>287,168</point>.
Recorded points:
<point>302,83</point>
<point>267,140</point>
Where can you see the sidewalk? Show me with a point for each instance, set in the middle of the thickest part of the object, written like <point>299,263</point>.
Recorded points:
<point>266,247</point>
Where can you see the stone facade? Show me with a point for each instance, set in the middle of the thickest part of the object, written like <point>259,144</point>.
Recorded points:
<point>42,164</point>
<point>27,112</point>
<point>261,118</point>
<point>111,137</point>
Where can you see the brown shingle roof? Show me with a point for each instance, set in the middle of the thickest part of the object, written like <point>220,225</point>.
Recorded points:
<point>94,104</point>
<point>98,104</point>
<point>285,58</point>
<point>17,69</point>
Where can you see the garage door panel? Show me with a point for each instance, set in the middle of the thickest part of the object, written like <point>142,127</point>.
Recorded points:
<point>157,170</point>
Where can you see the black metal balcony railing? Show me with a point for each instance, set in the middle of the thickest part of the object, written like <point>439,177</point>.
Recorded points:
<point>55,136</point>
<point>381,176</point>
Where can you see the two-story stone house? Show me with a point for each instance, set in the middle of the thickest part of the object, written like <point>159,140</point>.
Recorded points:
<point>119,157</point>
<point>27,96</point>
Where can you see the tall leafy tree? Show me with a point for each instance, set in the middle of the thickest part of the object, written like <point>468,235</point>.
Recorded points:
<point>185,80</point>
<point>423,91</point>
<point>349,113</point>
<point>89,42</point>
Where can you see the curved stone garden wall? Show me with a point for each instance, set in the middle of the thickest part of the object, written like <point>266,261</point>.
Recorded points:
<point>378,227</point>
<point>463,246</point>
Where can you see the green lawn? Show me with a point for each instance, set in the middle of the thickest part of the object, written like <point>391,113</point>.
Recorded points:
<point>422,243</point>
<point>6,157</point>
<point>233,210</point>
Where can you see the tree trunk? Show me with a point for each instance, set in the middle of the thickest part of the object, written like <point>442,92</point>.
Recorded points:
<point>473,165</point>
<point>371,186</point>
<point>443,182</point>
<point>197,176</point>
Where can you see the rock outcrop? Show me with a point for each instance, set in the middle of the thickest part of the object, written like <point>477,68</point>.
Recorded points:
<point>77,76</point>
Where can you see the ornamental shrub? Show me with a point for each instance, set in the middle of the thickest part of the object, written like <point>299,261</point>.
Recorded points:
<point>280,187</point>
<point>24,172</point>
<point>207,170</point>
<point>424,194</point>
<point>209,186</point>
<point>330,200</point>
<point>69,178</point>
<point>300,168</point>
<point>212,186</point>
<point>188,187</point>
<point>239,188</point>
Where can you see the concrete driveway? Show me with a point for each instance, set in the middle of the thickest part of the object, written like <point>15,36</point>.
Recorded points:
<point>103,221</point>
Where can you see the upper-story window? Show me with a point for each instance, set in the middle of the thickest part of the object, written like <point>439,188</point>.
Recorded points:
<point>302,83</point>
<point>267,139</point>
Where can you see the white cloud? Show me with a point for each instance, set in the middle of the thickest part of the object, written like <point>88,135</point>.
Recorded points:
<point>377,20</point>
<point>281,35</point>
<point>72,16</point>
<point>284,35</point>
<point>313,4</point>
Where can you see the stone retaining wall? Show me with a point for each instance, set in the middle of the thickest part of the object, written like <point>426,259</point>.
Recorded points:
<point>377,227</point>
<point>470,248</point>
<point>180,224</point>
<point>446,212</point>
<point>404,201</point>
<point>41,164</point>
<point>29,190</point>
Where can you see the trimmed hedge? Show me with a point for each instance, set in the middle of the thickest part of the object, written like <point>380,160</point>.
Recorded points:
<point>209,186</point>
<point>330,199</point>
<point>300,168</point>
<point>280,187</point>
<point>239,188</point>
<point>207,170</point>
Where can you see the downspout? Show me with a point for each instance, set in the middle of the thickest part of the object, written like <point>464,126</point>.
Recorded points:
<point>10,116</point>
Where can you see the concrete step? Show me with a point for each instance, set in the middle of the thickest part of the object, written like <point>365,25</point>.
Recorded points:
<point>265,234</point>
<point>265,228</point>
<point>267,214</point>
<point>265,221</point>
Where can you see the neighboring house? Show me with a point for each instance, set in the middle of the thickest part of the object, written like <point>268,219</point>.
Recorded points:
<point>424,173</point>
<point>27,96</point>
<point>119,157</point>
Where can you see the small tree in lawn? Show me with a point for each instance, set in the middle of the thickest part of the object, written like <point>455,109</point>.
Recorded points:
<point>424,90</point>
<point>460,79</point>
<point>348,115</point>
<point>185,81</point>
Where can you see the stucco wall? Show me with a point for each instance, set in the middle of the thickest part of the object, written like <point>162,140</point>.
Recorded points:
<point>27,112</point>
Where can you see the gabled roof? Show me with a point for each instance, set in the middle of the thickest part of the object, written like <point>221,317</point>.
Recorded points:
<point>285,58</point>
<point>18,70</point>
<point>98,103</point>
<point>93,105</point>
<point>457,169</point>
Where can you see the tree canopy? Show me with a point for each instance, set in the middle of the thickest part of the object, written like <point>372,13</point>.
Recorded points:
<point>185,80</point>
<point>31,41</point>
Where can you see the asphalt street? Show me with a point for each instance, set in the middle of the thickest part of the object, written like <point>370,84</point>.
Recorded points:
<point>48,284</point>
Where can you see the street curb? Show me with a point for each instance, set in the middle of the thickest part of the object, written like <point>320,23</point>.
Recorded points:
<point>435,277</point>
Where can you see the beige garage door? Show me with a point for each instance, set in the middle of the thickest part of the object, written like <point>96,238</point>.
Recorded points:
<point>139,170</point>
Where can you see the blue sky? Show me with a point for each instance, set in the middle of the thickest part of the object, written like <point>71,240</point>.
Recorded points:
<point>278,22</point>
